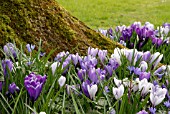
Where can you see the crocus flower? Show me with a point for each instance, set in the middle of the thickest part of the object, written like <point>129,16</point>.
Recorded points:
<point>104,32</point>
<point>7,64</point>
<point>75,58</point>
<point>142,112</point>
<point>102,55</point>
<point>30,47</point>
<point>92,51</point>
<point>34,84</point>
<point>92,75</point>
<point>13,88</point>
<point>155,59</point>
<point>160,71</point>
<point>152,110</point>
<point>81,74</point>
<point>144,86</point>
<point>118,92</point>
<point>92,90</point>
<point>54,66</point>
<point>146,56</point>
<point>117,82</point>
<point>9,49</point>
<point>61,81</point>
<point>84,87</point>
<point>157,95</point>
<point>167,104</point>
<point>143,66</point>
<point>143,75</point>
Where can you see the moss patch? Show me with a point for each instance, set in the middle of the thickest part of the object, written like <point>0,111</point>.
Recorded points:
<point>28,21</point>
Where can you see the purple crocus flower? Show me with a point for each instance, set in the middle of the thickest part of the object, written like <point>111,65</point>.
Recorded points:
<point>93,52</point>
<point>131,69</point>
<point>9,49</point>
<point>142,112</point>
<point>126,34</point>
<point>7,64</point>
<point>60,56</point>
<point>13,88</point>
<point>34,83</point>
<point>152,110</point>
<point>30,47</point>
<point>75,58</point>
<point>143,75</point>
<point>81,74</point>
<point>155,83</point>
<point>92,75</point>
<point>146,56</point>
<point>84,87</point>
<point>102,55</point>
<point>109,69</point>
<point>167,104</point>
<point>106,89</point>
<point>157,41</point>
<point>160,71</point>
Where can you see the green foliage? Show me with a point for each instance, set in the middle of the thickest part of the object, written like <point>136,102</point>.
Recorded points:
<point>111,13</point>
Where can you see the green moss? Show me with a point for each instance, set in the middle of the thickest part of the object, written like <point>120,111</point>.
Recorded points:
<point>29,20</point>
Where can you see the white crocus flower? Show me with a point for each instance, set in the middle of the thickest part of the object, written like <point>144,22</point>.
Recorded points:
<point>54,67</point>
<point>144,86</point>
<point>135,85</point>
<point>156,58</point>
<point>157,95</point>
<point>118,92</point>
<point>143,66</point>
<point>126,82</point>
<point>166,30</point>
<point>92,90</point>
<point>61,81</point>
<point>117,82</point>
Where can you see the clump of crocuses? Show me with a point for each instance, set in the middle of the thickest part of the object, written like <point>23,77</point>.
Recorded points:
<point>34,84</point>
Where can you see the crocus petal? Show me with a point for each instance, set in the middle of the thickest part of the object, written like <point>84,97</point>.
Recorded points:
<point>61,81</point>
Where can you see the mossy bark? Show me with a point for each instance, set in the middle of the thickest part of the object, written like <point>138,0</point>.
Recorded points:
<point>28,21</point>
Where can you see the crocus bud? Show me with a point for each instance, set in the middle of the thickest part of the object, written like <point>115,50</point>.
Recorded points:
<point>7,64</point>
<point>13,88</point>
<point>10,49</point>
<point>92,91</point>
<point>61,81</point>
<point>54,66</point>
<point>30,47</point>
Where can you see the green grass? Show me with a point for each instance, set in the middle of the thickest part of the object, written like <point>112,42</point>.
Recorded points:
<point>110,13</point>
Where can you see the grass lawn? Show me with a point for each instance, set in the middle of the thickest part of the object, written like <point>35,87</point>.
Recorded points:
<point>110,13</point>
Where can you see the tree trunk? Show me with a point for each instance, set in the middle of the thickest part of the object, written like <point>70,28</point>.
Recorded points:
<point>26,21</point>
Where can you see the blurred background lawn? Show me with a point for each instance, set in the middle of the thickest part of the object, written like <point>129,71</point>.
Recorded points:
<point>110,13</point>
